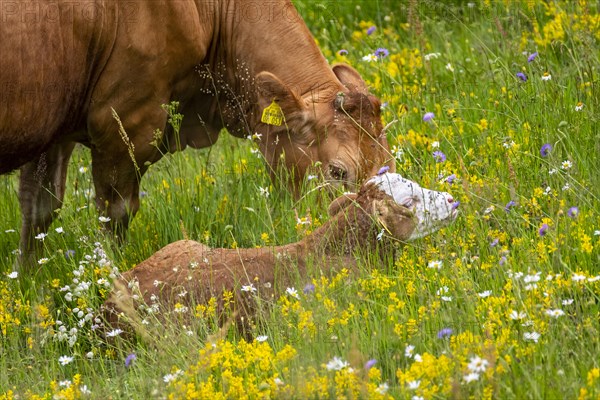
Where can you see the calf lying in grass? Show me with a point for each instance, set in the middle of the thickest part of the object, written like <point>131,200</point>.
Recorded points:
<point>387,209</point>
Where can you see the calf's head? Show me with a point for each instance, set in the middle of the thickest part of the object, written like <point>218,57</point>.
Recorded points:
<point>338,131</point>
<point>432,210</point>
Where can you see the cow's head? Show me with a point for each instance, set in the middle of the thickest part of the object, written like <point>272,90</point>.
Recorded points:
<point>340,132</point>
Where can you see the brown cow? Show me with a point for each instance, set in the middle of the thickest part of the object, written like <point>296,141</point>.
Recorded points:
<point>65,66</point>
<point>387,209</point>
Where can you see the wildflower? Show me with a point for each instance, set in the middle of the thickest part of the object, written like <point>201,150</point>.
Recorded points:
<point>450,179</point>
<point>370,57</point>
<point>449,67</point>
<point>413,385</point>
<point>478,364</point>
<point>418,358</point>
<point>573,212</point>
<point>13,275</point>
<point>248,288</point>
<point>473,376</point>
<point>342,52</point>
<point>382,388</point>
<point>566,165</point>
<point>428,116</point>
<point>129,359</point>
<point>264,191</point>
<point>444,333</point>
<point>435,145</point>
<point>566,187</point>
<point>484,294</point>
<point>114,332</point>
<point>546,76</point>
<point>543,229</point>
<point>522,76</point>
<point>309,288</point>
<point>371,30</point>
<point>579,106</point>
<point>437,264</point>
<point>261,338</point>
<point>383,170</point>
<point>369,364</point>
<point>557,312</point>
<point>171,377</point>
<point>514,315</point>
<point>382,52</point>
<point>59,229</point>
<point>380,234</point>
<point>66,383</point>
<point>578,277</point>
<point>439,156</point>
<point>64,360</point>
<point>567,302</point>
<point>43,261</point>
<point>336,364</point>
<point>597,233</point>
<point>502,260</point>
<point>546,149</point>
<point>495,242</point>
<point>103,219</point>
<point>532,278</point>
<point>430,56</point>
<point>509,205</point>
<point>292,292</point>
<point>41,236</point>
<point>408,351</point>
<point>532,57</point>
<point>534,336</point>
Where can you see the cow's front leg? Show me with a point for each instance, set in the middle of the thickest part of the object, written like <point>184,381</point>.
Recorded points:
<point>41,192</point>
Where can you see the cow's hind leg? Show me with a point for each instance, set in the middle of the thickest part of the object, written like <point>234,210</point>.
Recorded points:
<point>41,192</point>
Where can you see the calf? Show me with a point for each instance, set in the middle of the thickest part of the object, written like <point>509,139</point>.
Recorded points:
<point>387,209</point>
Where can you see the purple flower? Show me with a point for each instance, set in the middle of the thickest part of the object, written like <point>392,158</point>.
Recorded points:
<point>543,229</point>
<point>439,156</point>
<point>69,254</point>
<point>343,52</point>
<point>428,116</point>
<point>382,52</point>
<point>502,260</point>
<point>509,205</point>
<point>129,359</point>
<point>370,363</point>
<point>371,30</point>
<point>444,333</point>
<point>383,170</point>
<point>522,76</point>
<point>309,288</point>
<point>532,57</point>
<point>573,212</point>
<point>546,149</point>
<point>451,178</point>
<point>495,242</point>
<point>455,205</point>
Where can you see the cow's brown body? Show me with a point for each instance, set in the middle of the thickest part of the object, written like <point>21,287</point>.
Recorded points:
<point>65,65</point>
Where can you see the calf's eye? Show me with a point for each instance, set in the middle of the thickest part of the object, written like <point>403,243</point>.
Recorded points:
<point>337,173</point>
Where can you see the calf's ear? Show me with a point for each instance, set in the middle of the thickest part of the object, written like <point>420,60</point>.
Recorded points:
<point>398,221</point>
<point>270,88</point>
<point>350,78</point>
<point>340,203</point>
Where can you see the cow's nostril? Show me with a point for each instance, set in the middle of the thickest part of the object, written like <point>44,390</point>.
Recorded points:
<point>450,199</point>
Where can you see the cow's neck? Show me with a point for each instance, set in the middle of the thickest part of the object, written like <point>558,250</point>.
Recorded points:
<point>270,36</point>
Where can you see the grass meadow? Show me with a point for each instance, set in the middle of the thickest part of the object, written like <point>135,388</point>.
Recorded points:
<point>504,303</point>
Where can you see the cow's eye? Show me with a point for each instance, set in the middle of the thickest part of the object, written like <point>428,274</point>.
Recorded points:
<point>337,173</point>
<point>408,202</point>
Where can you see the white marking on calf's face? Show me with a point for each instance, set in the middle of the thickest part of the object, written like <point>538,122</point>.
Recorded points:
<point>432,209</point>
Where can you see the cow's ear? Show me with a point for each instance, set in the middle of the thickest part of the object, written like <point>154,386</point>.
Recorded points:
<point>271,88</point>
<point>350,78</point>
<point>397,220</point>
<point>340,203</point>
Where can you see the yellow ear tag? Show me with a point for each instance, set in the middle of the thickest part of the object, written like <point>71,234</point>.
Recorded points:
<point>272,115</point>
